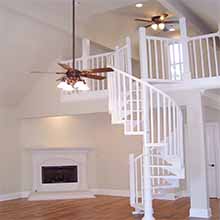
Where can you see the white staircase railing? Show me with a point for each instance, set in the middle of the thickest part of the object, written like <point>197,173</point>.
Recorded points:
<point>126,100</point>
<point>161,59</point>
<point>204,56</point>
<point>165,131</point>
<point>166,59</point>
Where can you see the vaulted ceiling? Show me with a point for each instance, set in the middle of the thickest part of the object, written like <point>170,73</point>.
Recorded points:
<point>36,33</point>
<point>206,10</point>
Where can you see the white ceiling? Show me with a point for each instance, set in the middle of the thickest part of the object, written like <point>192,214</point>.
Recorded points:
<point>58,12</point>
<point>34,33</point>
<point>206,10</point>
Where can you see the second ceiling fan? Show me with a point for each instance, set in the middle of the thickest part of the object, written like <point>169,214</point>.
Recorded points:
<point>157,22</point>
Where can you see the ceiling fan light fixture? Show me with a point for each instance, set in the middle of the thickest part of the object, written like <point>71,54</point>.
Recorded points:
<point>162,17</point>
<point>68,88</point>
<point>81,86</point>
<point>161,26</point>
<point>62,85</point>
<point>65,86</point>
<point>154,26</point>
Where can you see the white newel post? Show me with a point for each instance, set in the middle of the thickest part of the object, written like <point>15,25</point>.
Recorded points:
<point>85,56</point>
<point>148,207</point>
<point>132,179</point>
<point>184,41</point>
<point>129,55</point>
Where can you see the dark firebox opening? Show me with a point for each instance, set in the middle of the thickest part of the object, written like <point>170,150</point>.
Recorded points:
<point>59,174</point>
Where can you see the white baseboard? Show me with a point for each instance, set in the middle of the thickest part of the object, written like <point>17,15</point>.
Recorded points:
<point>111,192</point>
<point>126,193</point>
<point>43,196</point>
<point>107,192</point>
<point>12,196</point>
<point>200,213</point>
<point>25,194</point>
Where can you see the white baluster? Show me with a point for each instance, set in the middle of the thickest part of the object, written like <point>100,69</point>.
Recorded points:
<point>209,59</point>
<point>215,56</point>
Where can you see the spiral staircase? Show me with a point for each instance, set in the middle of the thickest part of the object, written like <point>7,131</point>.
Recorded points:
<point>144,110</point>
<point>147,111</point>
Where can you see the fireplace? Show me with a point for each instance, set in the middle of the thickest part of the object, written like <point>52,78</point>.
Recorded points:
<point>60,169</point>
<point>59,174</point>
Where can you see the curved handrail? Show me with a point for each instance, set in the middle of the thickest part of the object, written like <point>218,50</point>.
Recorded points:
<point>143,83</point>
<point>165,120</point>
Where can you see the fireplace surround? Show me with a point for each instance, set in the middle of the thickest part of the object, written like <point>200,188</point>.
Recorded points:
<point>57,170</point>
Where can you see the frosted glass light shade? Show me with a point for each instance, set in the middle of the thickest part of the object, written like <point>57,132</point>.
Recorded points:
<point>154,26</point>
<point>161,26</point>
<point>61,85</point>
<point>65,87</point>
<point>80,85</point>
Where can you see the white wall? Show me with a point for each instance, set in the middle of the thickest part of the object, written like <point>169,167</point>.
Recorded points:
<point>10,168</point>
<point>108,161</point>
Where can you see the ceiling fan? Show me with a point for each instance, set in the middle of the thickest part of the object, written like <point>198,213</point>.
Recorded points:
<point>72,78</point>
<point>158,22</point>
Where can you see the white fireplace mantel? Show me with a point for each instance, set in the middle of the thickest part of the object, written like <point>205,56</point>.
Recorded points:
<point>60,156</point>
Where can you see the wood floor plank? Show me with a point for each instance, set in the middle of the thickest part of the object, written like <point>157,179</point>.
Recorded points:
<point>101,208</point>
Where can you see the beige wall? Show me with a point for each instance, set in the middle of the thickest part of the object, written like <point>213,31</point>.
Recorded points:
<point>108,160</point>
<point>211,115</point>
<point>9,152</point>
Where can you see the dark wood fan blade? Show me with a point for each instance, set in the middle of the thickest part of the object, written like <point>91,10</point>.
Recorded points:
<point>143,20</point>
<point>60,73</point>
<point>171,22</point>
<point>61,79</point>
<point>65,66</point>
<point>39,72</point>
<point>99,70</point>
<point>92,76</point>
<point>147,26</point>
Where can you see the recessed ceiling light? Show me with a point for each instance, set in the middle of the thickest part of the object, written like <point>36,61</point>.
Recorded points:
<point>139,5</point>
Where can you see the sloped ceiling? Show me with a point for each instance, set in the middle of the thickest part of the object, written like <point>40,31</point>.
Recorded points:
<point>35,33</point>
<point>25,45</point>
<point>206,10</point>
<point>58,12</point>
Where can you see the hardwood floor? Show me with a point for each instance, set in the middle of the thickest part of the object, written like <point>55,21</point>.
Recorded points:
<point>101,208</point>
